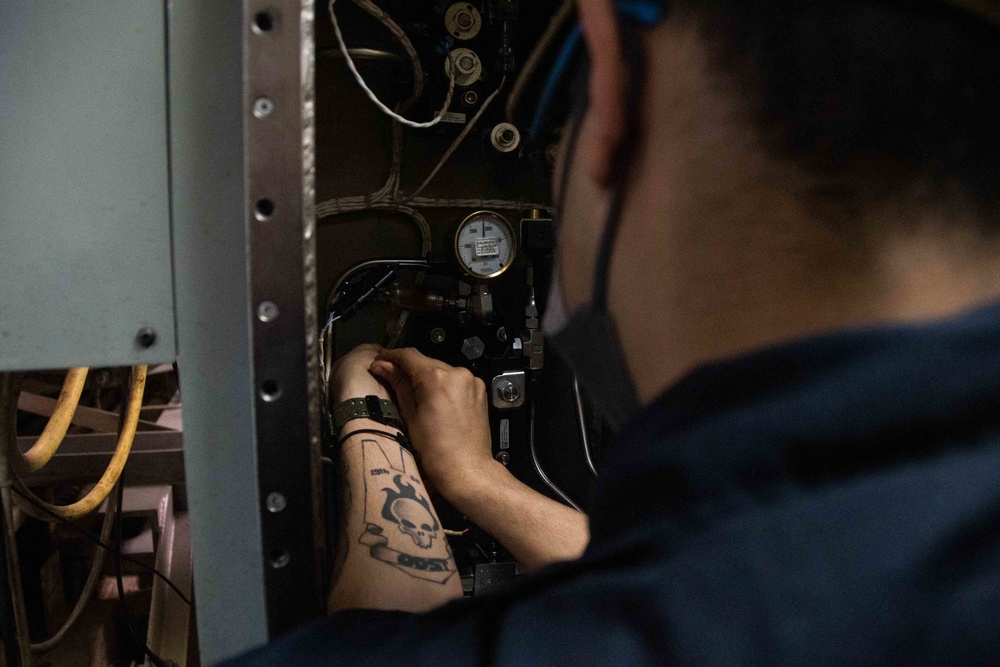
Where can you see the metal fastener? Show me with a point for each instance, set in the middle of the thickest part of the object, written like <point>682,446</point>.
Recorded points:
<point>473,348</point>
<point>267,311</point>
<point>263,107</point>
<point>146,337</point>
<point>503,457</point>
<point>438,335</point>
<point>276,502</point>
<point>510,393</point>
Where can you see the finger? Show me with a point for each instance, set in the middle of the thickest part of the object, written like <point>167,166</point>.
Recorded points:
<point>389,372</point>
<point>398,381</point>
<point>410,360</point>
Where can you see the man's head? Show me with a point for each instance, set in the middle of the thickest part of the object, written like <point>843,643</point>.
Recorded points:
<point>799,166</point>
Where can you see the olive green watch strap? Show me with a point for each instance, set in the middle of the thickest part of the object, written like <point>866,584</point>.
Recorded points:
<point>369,407</point>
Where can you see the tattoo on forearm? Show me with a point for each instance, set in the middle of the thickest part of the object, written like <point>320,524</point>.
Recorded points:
<point>401,528</point>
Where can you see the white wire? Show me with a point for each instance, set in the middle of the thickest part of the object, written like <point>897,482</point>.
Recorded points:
<point>371,95</point>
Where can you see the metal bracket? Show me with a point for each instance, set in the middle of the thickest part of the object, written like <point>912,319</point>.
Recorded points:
<point>509,390</point>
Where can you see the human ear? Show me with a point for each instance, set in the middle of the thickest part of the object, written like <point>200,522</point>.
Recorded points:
<point>606,88</point>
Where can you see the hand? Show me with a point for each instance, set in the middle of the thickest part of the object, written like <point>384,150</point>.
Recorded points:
<point>446,415</point>
<point>350,377</point>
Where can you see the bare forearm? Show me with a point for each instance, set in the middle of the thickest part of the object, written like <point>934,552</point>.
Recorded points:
<point>537,530</point>
<point>394,554</point>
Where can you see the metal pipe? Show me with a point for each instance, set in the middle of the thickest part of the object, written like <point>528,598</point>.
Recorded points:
<point>367,264</point>
<point>583,426</point>
<point>538,467</point>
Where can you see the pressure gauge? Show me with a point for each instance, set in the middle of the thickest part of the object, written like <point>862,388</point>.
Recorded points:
<point>485,244</point>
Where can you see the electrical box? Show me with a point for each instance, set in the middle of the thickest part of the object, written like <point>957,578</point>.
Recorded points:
<point>85,257</point>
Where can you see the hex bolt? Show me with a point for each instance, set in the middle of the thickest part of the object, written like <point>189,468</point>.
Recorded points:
<point>267,311</point>
<point>510,393</point>
<point>280,559</point>
<point>503,458</point>
<point>263,107</point>
<point>276,502</point>
<point>146,337</point>
<point>438,335</point>
<point>473,348</point>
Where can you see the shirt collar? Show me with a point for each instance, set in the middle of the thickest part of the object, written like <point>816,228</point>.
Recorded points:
<point>802,414</point>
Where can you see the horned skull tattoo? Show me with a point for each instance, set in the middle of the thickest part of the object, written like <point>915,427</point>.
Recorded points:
<point>411,512</point>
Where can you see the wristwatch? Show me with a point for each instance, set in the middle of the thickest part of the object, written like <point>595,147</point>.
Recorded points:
<point>369,407</point>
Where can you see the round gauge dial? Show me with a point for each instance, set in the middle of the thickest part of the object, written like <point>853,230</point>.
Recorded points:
<point>485,244</point>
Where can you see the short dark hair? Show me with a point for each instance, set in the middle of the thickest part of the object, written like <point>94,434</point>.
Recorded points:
<point>876,99</point>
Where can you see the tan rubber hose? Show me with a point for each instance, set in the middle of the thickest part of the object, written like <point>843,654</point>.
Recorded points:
<point>92,500</point>
<point>47,444</point>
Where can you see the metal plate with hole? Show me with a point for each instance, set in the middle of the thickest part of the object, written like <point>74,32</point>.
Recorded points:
<point>463,21</point>
<point>509,390</point>
<point>468,67</point>
<point>278,70</point>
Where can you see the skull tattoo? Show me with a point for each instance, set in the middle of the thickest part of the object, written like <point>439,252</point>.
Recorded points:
<point>411,513</point>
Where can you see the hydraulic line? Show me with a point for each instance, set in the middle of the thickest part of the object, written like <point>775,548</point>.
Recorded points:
<point>582,420</point>
<point>20,649</point>
<point>92,500</point>
<point>89,587</point>
<point>555,25</point>
<point>538,466</point>
<point>47,444</point>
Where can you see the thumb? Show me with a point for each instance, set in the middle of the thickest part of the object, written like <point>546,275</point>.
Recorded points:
<point>400,383</point>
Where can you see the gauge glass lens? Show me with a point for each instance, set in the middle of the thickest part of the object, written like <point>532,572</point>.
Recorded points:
<point>485,244</point>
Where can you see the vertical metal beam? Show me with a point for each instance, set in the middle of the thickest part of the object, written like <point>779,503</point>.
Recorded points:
<point>207,117</point>
<point>278,70</point>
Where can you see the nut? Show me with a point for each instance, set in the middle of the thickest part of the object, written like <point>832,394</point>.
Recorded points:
<point>473,348</point>
<point>510,393</point>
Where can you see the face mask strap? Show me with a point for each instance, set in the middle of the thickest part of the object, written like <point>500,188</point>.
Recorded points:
<point>623,160</point>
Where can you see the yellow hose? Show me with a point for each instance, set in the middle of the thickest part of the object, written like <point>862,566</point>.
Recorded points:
<point>92,500</point>
<point>47,444</point>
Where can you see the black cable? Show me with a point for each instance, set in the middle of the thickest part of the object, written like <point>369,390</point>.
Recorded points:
<point>156,660</point>
<point>97,541</point>
<point>8,627</point>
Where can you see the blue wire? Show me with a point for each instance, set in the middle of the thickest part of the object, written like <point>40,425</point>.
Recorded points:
<point>559,68</point>
<point>642,12</point>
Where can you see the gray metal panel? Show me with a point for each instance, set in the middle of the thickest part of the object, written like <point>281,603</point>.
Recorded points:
<point>214,334</point>
<point>85,225</point>
<point>280,159</point>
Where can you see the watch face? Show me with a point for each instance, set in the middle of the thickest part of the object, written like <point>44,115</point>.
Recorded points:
<point>485,244</point>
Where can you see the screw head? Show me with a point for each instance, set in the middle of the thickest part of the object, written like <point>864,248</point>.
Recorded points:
<point>438,335</point>
<point>510,393</point>
<point>146,337</point>
<point>280,559</point>
<point>267,311</point>
<point>503,458</point>
<point>276,502</point>
<point>263,107</point>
